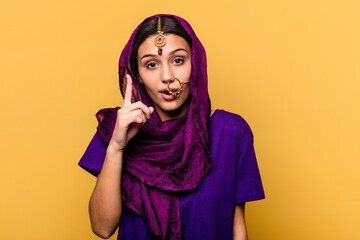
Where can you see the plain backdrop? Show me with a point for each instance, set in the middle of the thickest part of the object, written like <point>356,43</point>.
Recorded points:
<point>290,68</point>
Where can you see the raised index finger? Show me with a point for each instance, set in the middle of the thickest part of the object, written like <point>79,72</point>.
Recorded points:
<point>128,91</point>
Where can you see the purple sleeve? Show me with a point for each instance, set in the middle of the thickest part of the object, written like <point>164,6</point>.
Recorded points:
<point>248,181</point>
<point>94,156</point>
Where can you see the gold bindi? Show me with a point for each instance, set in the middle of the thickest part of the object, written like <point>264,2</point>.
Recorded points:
<point>178,91</point>
<point>160,39</point>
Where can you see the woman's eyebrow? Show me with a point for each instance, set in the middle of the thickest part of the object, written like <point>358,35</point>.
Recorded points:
<point>176,50</point>
<point>148,55</point>
<point>170,53</point>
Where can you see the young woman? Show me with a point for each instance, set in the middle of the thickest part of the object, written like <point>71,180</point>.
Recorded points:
<point>167,166</point>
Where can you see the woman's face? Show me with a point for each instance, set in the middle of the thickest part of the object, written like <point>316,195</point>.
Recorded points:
<point>156,71</point>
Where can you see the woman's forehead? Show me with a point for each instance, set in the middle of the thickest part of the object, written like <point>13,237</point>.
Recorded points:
<point>173,42</point>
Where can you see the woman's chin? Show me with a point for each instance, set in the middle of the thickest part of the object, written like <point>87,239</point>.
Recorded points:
<point>173,110</point>
<point>167,112</point>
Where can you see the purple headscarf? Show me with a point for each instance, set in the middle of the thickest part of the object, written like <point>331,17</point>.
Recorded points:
<point>164,157</point>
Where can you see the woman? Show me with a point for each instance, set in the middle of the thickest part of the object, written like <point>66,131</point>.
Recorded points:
<point>168,166</point>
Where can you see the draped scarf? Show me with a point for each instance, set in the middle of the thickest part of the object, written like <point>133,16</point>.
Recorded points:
<point>164,158</point>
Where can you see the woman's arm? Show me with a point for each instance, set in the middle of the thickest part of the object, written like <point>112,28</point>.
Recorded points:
<point>105,203</point>
<point>239,226</point>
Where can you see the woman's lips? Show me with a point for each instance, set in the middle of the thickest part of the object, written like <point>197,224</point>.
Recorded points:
<point>168,97</point>
<point>172,89</point>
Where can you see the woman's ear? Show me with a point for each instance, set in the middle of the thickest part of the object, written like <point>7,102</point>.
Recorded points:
<point>140,80</point>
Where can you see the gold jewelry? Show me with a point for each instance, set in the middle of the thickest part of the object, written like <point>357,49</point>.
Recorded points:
<point>178,91</point>
<point>160,39</point>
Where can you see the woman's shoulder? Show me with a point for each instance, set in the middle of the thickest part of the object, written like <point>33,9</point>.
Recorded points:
<point>229,121</point>
<point>228,118</point>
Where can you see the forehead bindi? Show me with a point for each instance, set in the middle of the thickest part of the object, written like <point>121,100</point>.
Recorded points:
<point>173,42</point>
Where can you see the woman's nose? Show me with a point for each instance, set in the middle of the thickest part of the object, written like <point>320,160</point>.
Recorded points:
<point>166,73</point>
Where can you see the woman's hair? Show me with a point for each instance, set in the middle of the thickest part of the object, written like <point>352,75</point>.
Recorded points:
<point>148,28</point>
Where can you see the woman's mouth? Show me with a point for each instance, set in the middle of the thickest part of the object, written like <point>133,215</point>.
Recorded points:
<point>167,96</point>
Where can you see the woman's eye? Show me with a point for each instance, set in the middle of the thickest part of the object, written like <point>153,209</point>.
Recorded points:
<point>179,60</point>
<point>151,65</point>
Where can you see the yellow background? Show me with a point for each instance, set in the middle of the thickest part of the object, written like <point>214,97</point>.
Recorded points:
<point>290,68</point>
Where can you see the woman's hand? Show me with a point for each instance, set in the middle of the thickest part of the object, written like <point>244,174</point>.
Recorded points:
<point>130,117</point>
